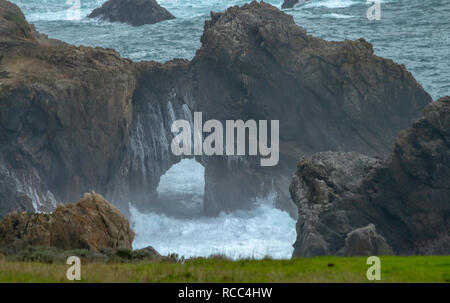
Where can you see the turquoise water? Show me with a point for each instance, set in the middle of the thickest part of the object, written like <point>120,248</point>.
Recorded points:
<point>413,32</point>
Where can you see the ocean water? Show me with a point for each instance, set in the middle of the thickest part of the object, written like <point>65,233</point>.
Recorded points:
<point>411,32</point>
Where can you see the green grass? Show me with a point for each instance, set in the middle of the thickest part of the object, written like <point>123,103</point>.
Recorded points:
<point>321,269</point>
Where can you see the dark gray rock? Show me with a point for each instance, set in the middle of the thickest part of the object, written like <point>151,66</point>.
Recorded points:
<point>75,119</point>
<point>320,181</point>
<point>92,223</point>
<point>365,241</point>
<point>290,3</point>
<point>133,12</point>
<point>406,196</point>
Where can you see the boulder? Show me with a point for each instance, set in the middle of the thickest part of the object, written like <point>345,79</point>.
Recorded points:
<point>365,241</point>
<point>290,3</point>
<point>92,223</point>
<point>405,196</point>
<point>133,12</point>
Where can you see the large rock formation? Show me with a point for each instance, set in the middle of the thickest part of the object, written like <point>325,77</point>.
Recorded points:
<point>76,119</point>
<point>92,223</point>
<point>133,12</point>
<point>290,3</point>
<point>405,198</point>
<point>256,63</point>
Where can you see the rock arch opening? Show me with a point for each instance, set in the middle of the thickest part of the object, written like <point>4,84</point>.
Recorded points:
<point>181,189</point>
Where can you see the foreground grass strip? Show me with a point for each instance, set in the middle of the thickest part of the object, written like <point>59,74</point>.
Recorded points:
<point>321,269</point>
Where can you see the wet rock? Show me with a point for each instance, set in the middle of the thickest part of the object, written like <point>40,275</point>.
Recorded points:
<point>133,12</point>
<point>92,223</point>
<point>290,3</point>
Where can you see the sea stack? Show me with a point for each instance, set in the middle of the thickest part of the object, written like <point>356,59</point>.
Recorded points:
<point>290,3</point>
<point>133,12</point>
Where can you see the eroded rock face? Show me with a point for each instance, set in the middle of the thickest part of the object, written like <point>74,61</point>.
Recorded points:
<point>92,223</point>
<point>149,252</point>
<point>406,196</point>
<point>133,12</point>
<point>76,119</point>
<point>334,96</point>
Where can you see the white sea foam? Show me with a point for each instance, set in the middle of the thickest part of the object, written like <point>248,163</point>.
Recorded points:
<point>338,16</point>
<point>330,3</point>
<point>257,233</point>
<point>264,231</point>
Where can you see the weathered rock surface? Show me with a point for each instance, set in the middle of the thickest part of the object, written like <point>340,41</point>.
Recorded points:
<point>406,196</point>
<point>92,223</point>
<point>365,241</point>
<point>12,23</point>
<point>133,12</point>
<point>327,96</point>
<point>321,180</point>
<point>76,119</point>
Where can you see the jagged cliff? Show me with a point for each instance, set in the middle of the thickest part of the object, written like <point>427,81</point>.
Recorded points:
<point>76,119</point>
<point>404,198</point>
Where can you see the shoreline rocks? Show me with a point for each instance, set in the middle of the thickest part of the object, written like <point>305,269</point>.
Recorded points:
<point>404,200</point>
<point>133,12</point>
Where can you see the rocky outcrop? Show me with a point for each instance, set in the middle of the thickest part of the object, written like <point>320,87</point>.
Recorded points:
<point>92,223</point>
<point>405,197</point>
<point>65,115</point>
<point>290,3</point>
<point>365,241</point>
<point>12,23</point>
<point>334,96</point>
<point>149,252</point>
<point>76,119</point>
<point>133,12</point>
<point>321,180</point>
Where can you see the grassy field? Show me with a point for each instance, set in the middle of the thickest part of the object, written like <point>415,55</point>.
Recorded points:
<point>321,269</point>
